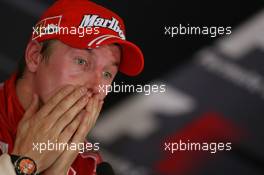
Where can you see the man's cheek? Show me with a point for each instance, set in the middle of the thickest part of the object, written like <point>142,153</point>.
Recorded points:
<point>51,92</point>
<point>47,96</point>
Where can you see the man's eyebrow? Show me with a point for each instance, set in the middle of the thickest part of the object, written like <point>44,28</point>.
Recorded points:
<point>89,50</point>
<point>116,63</point>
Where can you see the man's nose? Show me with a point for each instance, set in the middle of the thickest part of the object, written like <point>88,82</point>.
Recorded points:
<point>93,83</point>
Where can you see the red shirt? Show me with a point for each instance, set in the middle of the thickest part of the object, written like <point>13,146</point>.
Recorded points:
<point>11,112</point>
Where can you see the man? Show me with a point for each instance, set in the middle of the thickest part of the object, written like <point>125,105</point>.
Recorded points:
<point>55,95</point>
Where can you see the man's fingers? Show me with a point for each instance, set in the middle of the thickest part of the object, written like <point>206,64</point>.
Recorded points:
<point>71,114</point>
<point>67,103</point>
<point>79,136</point>
<point>53,101</point>
<point>89,105</point>
<point>99,109</point>
<point>89,120</point>
<point>95,108</point>
<point>94,115</point>
<point>65,160</point>
<point>69,130</point>
<point>101,103</point>
<point>77,130</point>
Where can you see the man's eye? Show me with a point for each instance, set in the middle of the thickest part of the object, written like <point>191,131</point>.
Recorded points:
<point>80,61</point>
<point>107,75</point>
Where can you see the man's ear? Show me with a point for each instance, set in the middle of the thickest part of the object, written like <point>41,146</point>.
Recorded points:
<point>33,56</point>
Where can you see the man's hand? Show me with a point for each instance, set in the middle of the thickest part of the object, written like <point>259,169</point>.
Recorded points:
<point>56,121</point>
<point>89,117</point>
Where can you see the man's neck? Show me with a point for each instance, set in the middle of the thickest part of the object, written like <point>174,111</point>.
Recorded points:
<point>24,90</point>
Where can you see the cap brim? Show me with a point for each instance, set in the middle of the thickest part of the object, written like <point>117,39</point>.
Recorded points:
<point>132,61</point>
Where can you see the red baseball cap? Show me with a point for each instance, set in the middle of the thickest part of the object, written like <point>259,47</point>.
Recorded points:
<point>86,25</point>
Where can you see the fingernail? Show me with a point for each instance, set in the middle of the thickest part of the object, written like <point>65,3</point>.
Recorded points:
<point>89,94</point>
<point>83,90</point>
<point>85,98</point>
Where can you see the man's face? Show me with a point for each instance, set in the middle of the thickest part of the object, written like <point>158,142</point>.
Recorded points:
<point>66,65</point>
